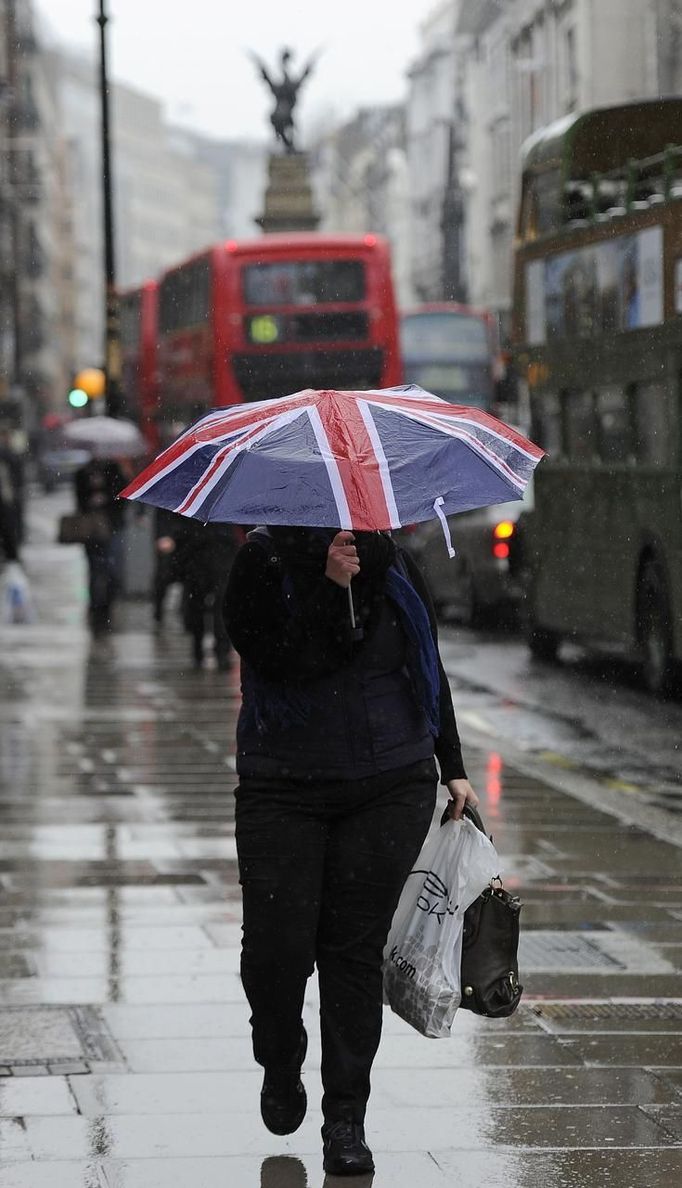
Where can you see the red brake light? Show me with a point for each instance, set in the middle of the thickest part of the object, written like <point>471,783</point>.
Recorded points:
<point>231,245</point>
<point>370,240</point>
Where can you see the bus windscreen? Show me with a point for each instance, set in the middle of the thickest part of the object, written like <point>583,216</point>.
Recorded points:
<point>450,355</point>
<point>304,282</point>
<point>445,337</point>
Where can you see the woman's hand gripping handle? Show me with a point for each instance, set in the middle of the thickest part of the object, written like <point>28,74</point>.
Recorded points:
<point>342,560</point>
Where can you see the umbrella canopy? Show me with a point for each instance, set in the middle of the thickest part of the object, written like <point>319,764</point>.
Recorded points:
<point>106,437</point>
<point>358,460</point>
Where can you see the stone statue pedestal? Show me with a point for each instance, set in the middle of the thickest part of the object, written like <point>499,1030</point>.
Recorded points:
<point>288,198</point>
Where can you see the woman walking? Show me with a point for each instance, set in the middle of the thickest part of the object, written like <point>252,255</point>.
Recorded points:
<point>97,486</point>
<point>337,781</point>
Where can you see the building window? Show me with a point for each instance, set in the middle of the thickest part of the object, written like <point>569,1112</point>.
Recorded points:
<point>655,442</point>
<point>581,426</point>
<point>547,423</point>
<point>571,58</point>
<point>615,425</point>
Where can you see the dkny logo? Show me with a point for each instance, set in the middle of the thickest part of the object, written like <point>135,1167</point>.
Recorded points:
<point>434,899</point>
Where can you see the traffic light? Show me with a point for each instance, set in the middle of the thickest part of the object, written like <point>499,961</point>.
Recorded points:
<point>88,384</point>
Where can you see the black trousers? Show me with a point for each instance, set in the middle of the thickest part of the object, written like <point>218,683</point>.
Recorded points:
<point>322,867</point>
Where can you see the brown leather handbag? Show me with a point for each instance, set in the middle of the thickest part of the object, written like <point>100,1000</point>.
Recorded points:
<point>84,528</point>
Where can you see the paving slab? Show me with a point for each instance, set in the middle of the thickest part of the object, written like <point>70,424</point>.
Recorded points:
<point>191,1093</point>
<point>393,1171</point>
<point>20,1096</point>
<point>440,1128</point>
<point>54,1174</point>
<point>565,1169</point>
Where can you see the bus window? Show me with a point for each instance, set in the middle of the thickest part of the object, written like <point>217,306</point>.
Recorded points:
<point>655,442</point>
<point>307,282</point>
<point>547,430</point>
<point>184,298</point>
<point>581,429</point>
<point>548,201</point>
<point>615,425</point>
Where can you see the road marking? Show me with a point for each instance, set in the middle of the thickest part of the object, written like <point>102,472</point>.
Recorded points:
<point>557,760</point>
<point>622,786</point>
<point>476,721</point>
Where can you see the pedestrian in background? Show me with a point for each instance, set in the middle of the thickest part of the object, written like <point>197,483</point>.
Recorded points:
<point>97,485</point>
<point>337,785</point>
<point>203,558</point>
<point>167,527</point>
<point>11,488</point>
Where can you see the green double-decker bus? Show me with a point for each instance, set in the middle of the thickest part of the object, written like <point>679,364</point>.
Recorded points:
<point>598,348</point>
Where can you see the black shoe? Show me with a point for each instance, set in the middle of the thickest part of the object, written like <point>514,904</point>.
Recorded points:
<point>345,1151</point>
<point>283,1101</point>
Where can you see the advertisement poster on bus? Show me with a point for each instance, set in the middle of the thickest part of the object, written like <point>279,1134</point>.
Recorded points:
<point>603,288</point>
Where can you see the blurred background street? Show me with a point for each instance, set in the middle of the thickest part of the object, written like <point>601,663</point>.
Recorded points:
<point>209,208</point>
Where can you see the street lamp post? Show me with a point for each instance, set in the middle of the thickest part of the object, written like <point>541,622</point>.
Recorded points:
<point>112,342</point>
<point>15,216</point>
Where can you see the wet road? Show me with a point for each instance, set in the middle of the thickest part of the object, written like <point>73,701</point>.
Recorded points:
<point>588,710</point>
<point>124,1054</point>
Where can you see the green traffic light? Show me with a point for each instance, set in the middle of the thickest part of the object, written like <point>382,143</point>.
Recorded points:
<point>78,398</point>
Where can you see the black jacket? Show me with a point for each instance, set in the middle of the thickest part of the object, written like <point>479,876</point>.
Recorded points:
<point>316,704</point>
<point>97,486</point>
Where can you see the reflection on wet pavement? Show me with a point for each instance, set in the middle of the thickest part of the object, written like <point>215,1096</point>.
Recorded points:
<point>124,1053</point>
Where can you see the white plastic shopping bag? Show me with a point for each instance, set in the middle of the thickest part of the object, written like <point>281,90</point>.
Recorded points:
<point>423,953</point>
<point>16,603</point>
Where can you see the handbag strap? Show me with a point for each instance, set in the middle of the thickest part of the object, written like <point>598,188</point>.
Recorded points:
<point>473,815</point>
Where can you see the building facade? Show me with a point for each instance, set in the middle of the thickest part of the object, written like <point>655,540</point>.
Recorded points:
<point>527,63</point>
<point>359,174</point>
<point>175,191</point>
<point>36,293</point>
<point>434,148</point>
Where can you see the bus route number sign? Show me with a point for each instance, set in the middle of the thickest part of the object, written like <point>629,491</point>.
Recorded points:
<point>264,329</point>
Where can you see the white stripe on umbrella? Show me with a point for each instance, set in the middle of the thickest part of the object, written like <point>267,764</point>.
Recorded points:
<point>227,456</point>
<point>455,429</point>
<point>445,414</point>
<point>345,520</point>
<point>384,470</point>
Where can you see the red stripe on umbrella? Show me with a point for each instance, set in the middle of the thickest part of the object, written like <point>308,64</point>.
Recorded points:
<point>357,463</point>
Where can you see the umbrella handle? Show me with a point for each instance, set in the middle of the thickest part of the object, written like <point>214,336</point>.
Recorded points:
<point>351,607</point>
<point>357,633</point>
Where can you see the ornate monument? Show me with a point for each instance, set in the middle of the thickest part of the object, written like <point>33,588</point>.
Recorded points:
<point>288,198</point>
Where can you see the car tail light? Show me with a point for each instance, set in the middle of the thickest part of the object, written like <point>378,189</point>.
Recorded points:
<point>502,534</point>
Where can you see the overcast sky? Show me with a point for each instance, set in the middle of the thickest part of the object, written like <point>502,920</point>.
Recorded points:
<point>192,53</point>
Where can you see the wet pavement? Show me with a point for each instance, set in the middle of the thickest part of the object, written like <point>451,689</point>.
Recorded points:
<point>124,1052</point>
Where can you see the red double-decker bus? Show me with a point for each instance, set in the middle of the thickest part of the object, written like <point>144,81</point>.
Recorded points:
<point>262,318</point>
<point>138,312</point>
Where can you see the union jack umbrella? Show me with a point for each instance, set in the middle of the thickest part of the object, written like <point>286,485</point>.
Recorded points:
<point>356,460</point>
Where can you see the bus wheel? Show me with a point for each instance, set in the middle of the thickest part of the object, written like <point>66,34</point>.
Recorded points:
<point>543,644</point>
<point>654,631</point>
<point>472,612</point>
